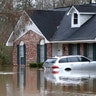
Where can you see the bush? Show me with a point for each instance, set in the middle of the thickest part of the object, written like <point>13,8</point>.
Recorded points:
<point>36,65</point>
<point>33,65</point>
<point>5,55</point>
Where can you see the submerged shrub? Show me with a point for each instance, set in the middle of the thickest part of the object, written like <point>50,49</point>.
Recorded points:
<point>36,65</point>
<point>33,65</point>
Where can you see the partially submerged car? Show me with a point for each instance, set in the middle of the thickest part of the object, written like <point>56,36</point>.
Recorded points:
<point>71,62</point>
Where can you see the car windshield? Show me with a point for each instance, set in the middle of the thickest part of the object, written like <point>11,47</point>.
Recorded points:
<point>51,60</point>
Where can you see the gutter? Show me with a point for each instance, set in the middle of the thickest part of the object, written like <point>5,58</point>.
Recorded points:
<point>74,41</point>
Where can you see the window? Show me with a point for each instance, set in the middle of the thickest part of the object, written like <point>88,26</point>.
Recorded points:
<point>73,59</point>
<point>63,60</point>
<point>82,59</point>
<point>21,53</point>
<point>75,18</point>
<point>51,60</point>
<point>21,50</point>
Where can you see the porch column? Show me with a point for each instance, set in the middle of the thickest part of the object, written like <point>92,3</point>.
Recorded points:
<point>94,51</point>
<point>45,52</point>
<point>85,49</point>
<point>70,49</point>
<point>78,49</point>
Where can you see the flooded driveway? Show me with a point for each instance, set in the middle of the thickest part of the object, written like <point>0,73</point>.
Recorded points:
<point>23,81</point>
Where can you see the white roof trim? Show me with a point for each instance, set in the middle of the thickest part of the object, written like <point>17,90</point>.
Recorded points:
<point>69,12</point>
<point>87,13</point>
<point>75,41</point>
<point>7,43</point>
<point>29,27</point>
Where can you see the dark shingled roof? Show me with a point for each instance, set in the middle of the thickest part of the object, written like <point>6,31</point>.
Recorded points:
<point>86,32</point>
<point>55,24</point>
<point>47,21</point>
<point>65,30</point>
<point>86,7</point>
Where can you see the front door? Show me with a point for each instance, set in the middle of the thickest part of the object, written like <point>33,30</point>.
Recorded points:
<point>57,50</point>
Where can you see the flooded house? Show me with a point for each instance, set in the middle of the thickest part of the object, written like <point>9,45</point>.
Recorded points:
<point>40,34</point>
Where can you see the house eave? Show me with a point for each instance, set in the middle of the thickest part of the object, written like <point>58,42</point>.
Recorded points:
<point>74,41</point>
<point>86,13</point>
<point>73,7</point>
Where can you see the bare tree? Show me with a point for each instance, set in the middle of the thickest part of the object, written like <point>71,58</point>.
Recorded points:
<point>9,5</point>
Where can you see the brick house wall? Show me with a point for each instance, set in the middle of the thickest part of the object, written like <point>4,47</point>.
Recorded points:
<point>85,49</point>
<point>31,40</point>
<point>65,49</point>
<point>49,50</point>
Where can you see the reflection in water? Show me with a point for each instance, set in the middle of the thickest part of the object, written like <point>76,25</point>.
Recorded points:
<point>23,81</point>
<point>21,77</point>
<point>73,81</point>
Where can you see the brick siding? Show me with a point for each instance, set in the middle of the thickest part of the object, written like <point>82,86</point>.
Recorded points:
<point>31,40</point>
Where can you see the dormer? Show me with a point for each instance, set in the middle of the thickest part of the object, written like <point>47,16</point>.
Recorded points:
<point>75,17</point>
<point>78,18</point>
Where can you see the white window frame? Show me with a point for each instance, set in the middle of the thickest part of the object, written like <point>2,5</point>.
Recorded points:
<point>73,25</point>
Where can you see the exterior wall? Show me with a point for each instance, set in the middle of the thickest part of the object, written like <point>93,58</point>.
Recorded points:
<point>83,50</point>
<point>84,18</point>
<point>49,50</point>
<point>31,40</point>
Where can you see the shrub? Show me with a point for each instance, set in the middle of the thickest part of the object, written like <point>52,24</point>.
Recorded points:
<point>39,65</point>
<point>36,65</point>
<point>5,55</point>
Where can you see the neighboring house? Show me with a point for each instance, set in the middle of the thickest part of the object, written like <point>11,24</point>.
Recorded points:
<point>40,34</point>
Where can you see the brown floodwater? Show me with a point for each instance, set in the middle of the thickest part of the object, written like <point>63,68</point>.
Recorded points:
<point>25,81</point>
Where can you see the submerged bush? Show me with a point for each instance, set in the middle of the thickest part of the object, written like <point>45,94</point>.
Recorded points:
<point>36,65</point>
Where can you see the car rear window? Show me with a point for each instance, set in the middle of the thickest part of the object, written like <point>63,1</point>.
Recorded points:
<point>51,60</point>
<point>63,60</point>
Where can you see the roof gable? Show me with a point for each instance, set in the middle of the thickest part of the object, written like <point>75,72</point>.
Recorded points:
<point>47,21</point>
<point>72,10</point>
<point>24,25</point>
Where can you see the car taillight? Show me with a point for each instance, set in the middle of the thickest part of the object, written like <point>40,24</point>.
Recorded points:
<point>54,67</point>
<point>55,72</point>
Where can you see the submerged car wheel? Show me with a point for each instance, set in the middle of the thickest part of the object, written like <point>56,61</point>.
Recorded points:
<point>67,69</point>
